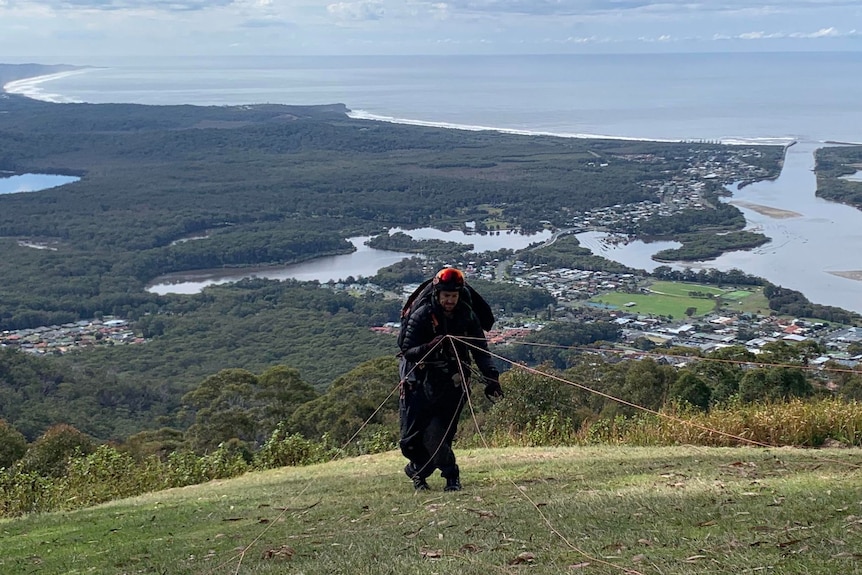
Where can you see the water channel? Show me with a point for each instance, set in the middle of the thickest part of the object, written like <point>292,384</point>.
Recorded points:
<point>33,182</point>
<point>363,262</point>
<point>815,243</point>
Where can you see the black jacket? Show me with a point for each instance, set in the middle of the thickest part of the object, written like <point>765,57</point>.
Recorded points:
<point>428,321</point>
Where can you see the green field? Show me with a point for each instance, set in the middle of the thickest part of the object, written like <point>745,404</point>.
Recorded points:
<point>673,299</point>
<point>681,289</point>
<point>736,295</point>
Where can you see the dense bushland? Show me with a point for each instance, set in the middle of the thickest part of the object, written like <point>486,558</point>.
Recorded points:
<point>831,164</point>
<point>239,421</point>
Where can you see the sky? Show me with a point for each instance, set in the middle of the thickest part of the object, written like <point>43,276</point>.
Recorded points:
<point>97,31</point>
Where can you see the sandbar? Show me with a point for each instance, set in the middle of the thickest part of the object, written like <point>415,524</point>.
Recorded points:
<point>776,213</point>
<point>855,275</point>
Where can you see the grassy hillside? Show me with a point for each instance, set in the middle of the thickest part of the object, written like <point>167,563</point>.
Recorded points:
<point>680,510</point>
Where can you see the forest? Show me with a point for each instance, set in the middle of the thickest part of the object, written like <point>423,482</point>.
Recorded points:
<point>266,184</point>
<point>832,165</point>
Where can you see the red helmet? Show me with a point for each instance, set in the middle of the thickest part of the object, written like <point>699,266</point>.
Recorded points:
<point>448,279</point>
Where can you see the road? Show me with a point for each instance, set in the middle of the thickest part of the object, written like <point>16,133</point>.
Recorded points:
<point>500,271</point>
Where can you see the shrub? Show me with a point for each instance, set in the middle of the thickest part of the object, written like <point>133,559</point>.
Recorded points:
<point>103,475</point>
<point>50,454</point>
<point>283,449</point>
<point>228,460</point>
<point>795,422</point>
<point>13,444</point>
<point>25,492</point>
<point>184,468</point>
<point>550,430</point>
<point>375,439</point>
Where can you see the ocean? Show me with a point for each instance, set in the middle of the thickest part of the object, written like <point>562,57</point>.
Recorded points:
<point>732,97</point>
<point>810,98</point>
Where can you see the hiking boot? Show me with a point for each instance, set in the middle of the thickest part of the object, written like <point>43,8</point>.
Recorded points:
<point>419,483</point>
<point>452,484</point>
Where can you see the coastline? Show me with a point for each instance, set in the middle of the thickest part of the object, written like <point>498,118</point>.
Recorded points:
<point>24,79</point>
<point>363,115</point>
<point>31,87</point>
<point>19,87</point>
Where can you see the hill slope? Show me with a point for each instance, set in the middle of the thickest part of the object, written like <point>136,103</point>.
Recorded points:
<point>591,510</point>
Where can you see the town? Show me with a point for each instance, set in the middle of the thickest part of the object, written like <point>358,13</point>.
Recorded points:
<point>63,338</point>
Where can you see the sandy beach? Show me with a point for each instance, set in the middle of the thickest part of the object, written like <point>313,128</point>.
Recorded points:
<point>855,275</point>
<point>767,211</point>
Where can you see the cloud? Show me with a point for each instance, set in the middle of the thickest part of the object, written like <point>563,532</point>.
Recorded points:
<point>440,10</point>
<point>617,7</point>
<point>423,26</point>
<point>830,32</point>
<point>356,11</point>
<point>113,5</point>
<point>543,7</point>
<point>266,23</point>
<point>757,35</point>
<point>584,40</point>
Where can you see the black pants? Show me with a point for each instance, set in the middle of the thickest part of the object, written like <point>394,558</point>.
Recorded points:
<point>428,428</point>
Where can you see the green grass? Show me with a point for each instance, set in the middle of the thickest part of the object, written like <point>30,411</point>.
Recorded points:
<point>679,510</point>
<point>681,289</point>
<point>672,298</point>
<point>755,303</point>
<point>736,295</point>
<point>656,304</point>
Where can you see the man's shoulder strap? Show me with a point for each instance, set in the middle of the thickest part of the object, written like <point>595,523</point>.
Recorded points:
<point>481,308</point>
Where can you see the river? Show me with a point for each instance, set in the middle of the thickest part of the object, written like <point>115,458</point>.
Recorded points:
<point>17,184</point>
<point>814,242</point>
<point>363,262</point>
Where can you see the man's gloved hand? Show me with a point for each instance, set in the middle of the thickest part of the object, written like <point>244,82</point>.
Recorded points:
<point>493,390</point>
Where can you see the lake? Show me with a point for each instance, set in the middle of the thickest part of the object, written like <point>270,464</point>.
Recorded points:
<point>33,182</point>
<point>363,262</point>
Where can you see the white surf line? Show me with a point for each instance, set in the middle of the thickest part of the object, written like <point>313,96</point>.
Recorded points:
<point>364,115</point>
<point>32,87</point>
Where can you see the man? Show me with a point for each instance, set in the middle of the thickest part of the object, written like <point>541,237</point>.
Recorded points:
<point>435,371</point>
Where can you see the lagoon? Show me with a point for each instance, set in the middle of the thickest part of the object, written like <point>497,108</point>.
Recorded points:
<point>363,262</point>
<point>33,182</point>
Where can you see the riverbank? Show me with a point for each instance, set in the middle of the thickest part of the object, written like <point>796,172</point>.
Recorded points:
<point>855,275</point>
<point>769,211</point>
